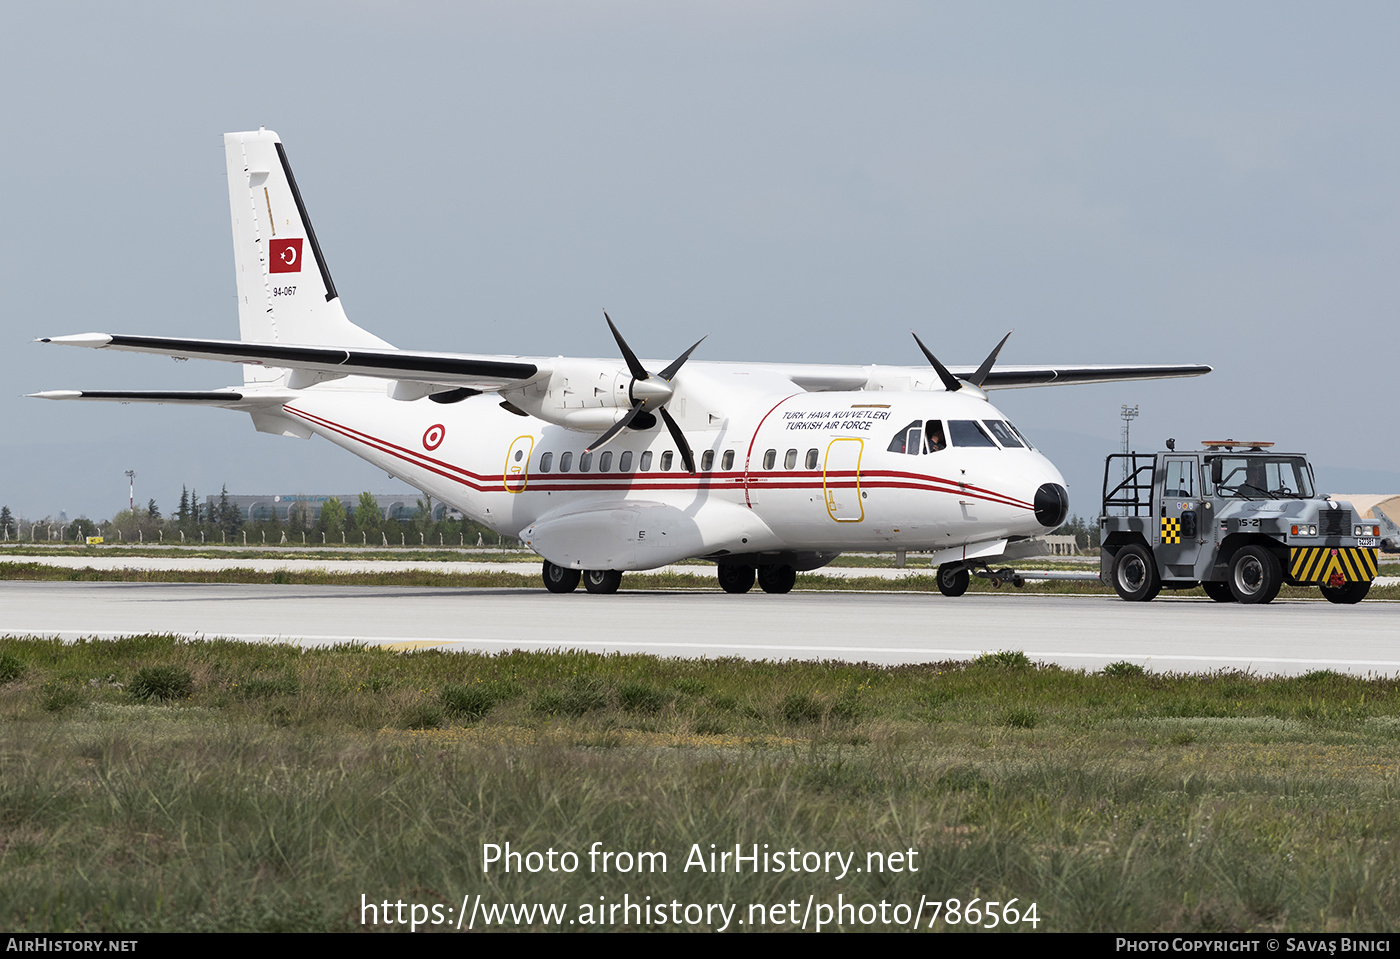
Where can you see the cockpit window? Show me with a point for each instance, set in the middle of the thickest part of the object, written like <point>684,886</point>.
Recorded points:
<point>1019,435</point>
<point>934,438</point>
<point>1002,431</point>
<point>909,439</point>
<point>969,433</point>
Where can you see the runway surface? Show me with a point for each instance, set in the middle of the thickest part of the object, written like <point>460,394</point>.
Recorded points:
<point>1167,635</point>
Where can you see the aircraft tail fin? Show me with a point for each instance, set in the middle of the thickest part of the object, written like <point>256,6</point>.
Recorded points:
<point>285,291</point>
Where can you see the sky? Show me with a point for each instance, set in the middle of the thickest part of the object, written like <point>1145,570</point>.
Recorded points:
<point>805,182</point>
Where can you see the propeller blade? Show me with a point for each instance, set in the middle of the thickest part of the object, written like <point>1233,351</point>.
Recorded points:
<point>670,371</point>
<point>633,364</point>
<point>687,457</point>
<point>949,380</point>
<point>616,428</point>
<point>986,367</point>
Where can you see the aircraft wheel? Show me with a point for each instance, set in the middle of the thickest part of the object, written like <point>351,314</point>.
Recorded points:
<point>1347,594</point>
<point>1135,574</point>
<point>1255,575</point>
<point>734,578</point>
<point>1220,592</point>
<point>558,579</point>
<point>602,580</point>
<point>777,579</point>
<point>953,579</point>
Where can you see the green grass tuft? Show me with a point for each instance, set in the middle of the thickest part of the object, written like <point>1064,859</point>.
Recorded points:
<point>800,708</point>
<point>1006,659</point>
<point>641,698</point>
<point>466,702</point>
<point>161,683</point>
<point>11,668</point>
<point>1124,668</point>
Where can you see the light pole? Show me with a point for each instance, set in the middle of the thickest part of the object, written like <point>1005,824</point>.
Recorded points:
<point>131,476</point>
<point>1129,413</point>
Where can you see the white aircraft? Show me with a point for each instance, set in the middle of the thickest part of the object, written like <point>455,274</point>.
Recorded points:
<point>602,466</point>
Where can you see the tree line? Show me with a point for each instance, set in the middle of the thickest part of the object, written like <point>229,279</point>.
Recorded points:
<point>220,522</point>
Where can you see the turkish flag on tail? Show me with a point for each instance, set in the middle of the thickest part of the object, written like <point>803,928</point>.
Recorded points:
<point>284,256</point>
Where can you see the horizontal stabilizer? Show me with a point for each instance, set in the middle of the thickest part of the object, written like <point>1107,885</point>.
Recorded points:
<point>186,397</point>
<point>445,369</point>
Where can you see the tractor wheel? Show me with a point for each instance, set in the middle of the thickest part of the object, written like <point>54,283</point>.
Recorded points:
<point>1255,575</point>
<point>1220,592</point>
<point>1346,594</point>
<point>1135,574</point>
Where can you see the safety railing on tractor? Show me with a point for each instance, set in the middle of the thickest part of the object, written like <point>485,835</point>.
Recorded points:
<point>1134,493</point>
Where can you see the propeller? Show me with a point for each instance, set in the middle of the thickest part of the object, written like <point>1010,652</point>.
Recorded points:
<point>950,381</point>
<point>650,392</point>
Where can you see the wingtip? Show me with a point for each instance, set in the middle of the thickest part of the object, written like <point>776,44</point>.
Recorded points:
<point>92,340</point>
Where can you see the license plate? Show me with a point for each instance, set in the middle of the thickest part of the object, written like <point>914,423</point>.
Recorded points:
<point>1366,541</point>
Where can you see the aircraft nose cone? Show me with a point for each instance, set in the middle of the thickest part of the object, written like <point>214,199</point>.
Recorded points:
<point>1051,505</point>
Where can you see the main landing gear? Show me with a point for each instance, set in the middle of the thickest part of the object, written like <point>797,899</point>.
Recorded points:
<point>737,578</point>
<point>561,579</point>
<point>733,578</point>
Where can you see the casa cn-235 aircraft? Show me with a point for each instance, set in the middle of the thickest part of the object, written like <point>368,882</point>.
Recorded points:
<point>607,465</point>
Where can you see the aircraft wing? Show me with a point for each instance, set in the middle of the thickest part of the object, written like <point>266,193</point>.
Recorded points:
<point>447,369</point>
<point>816,378</point>
<point>490,373</point>
<point>1011,377</point>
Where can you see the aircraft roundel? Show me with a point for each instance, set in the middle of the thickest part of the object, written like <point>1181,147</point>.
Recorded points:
<point>284,256</point>
<point>433,436</point>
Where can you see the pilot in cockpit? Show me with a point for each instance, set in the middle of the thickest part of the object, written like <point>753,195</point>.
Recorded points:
<point>934,436</point>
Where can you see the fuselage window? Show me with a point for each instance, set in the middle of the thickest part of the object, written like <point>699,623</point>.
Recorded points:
<point>646,460</point>
<point>566,461</point>
<point>907,439</point>
<point>812,459</point>
<point>605,461</point>
<point>933,436</point>
<point>624,462</point>
<point>769,458</point>
<point>727,462</point>
<point>707,460</point>
<point>1004,435</point>
<point>790,460</point>
<point>666,460</point>
<point>969,433</point>
<point>546,461</point>
<point>585,462</point>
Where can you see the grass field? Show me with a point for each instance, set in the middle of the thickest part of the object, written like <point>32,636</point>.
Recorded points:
<point>155,784</point>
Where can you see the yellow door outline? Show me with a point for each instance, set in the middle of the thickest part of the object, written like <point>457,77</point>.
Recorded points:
<point>830,494</point>
<point>516,475</point>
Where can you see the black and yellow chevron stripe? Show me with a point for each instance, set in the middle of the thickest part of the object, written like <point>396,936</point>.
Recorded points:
<point>1316,564</point>
<point>1171,531</point>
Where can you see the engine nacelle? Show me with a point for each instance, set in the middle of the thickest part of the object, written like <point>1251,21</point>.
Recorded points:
<point>587,395</point>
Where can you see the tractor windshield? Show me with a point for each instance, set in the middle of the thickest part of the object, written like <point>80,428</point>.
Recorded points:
<point>1261,477</point>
